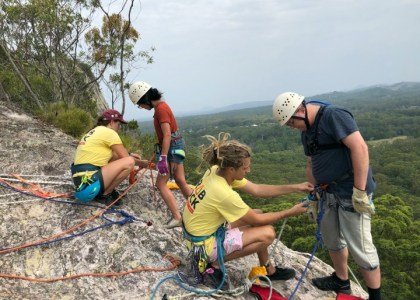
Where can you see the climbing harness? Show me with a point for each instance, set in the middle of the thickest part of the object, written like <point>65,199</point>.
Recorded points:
<point>198,255</point>
<point>88,181</point>
<point>198,263</point>
<point>176,148</point>
<point>312,201</point>
<point>313,145</point>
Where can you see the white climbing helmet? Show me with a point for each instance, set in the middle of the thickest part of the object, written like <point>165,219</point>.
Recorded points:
<point>138,90</point>
<point>285,106</point>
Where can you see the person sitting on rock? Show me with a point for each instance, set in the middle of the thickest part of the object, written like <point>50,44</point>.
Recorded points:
<point>102,162</point>
<point>214,203</point>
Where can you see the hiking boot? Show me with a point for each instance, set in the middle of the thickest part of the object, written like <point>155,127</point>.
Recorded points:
<point>107,199</point>
<point>216,277</point>
<point>172,223</point>
<point>333,283</point>
<point>281,274</point>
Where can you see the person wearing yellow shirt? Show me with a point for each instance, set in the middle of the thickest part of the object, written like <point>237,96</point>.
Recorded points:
<point>101,161</point>
<point>214,205</point>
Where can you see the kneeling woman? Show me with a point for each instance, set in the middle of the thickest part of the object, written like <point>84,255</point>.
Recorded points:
<point>102,162</point>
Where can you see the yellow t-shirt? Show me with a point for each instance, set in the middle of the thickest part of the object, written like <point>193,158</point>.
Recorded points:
<point>95,146</point>
<point>212,203</point>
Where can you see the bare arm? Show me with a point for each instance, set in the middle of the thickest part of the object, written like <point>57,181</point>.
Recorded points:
<point>166,142</point>
<point>359,157</point>
<point>143,163</point>
<point>254,219</point>
<point>118,151</point>
<point>268,191</point>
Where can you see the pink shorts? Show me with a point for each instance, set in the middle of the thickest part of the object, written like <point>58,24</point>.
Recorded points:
<point>233,242</point>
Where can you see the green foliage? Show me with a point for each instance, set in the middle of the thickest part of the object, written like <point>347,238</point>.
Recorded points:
<point>396,168</point>
<point>397,238</point>
<point>72,120</point>
<point>138,143</point>
<point>48,59</point>
<point>56,63</point>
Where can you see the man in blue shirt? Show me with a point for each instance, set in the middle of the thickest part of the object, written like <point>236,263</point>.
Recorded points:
<point>337,159</point>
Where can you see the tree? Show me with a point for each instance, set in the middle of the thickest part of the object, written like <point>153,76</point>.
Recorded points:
<point>20,74</point>
<point>113,45</point>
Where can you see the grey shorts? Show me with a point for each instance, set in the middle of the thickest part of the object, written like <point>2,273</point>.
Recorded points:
<point>341,228</point>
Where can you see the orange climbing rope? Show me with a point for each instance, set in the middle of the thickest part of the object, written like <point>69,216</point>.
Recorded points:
<point>174,261</point>
<point>38,191</point>
<point>35,189</point>
<point>72,228</point>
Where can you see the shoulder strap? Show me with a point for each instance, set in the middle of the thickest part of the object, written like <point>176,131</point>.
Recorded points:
<point>314,145</point>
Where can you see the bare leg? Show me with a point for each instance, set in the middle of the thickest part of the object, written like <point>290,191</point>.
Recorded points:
<point>255,240</point>
<point>339,259</point>
<point>179,176</point>
<point>167,196</point>
<point>115,172</point>
<point>372,278</point>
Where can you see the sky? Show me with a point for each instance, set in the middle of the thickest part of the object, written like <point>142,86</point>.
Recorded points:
<point>211,54</point>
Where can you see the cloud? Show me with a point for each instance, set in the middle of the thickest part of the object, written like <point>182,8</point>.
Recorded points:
<point>217,53</point>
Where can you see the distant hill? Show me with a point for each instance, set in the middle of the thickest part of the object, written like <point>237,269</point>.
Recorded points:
<point>380,90</point>
<point>367,99</point>
<point>231,107</point>
<point>373,92</point>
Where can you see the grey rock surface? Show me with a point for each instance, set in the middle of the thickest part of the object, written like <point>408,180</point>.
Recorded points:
<point>42,155</point>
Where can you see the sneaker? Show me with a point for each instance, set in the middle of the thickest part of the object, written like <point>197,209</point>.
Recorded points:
<point>172,223</point>
<point>115,195</point>
<point>333,283</point>
<point>216,277</point>
<point>107,200</point>
<point>281,274</point>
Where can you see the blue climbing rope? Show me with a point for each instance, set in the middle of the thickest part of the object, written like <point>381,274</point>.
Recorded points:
<point>317,242</point>
<point>127,218</point>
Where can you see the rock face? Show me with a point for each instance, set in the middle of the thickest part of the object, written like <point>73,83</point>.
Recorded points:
<point>42,155</point>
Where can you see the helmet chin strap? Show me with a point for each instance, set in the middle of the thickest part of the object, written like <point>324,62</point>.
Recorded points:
<point>306,116</point>
<point>305,119</point>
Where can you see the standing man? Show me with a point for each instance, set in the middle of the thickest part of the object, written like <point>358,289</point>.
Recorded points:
<point>338,158</point>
